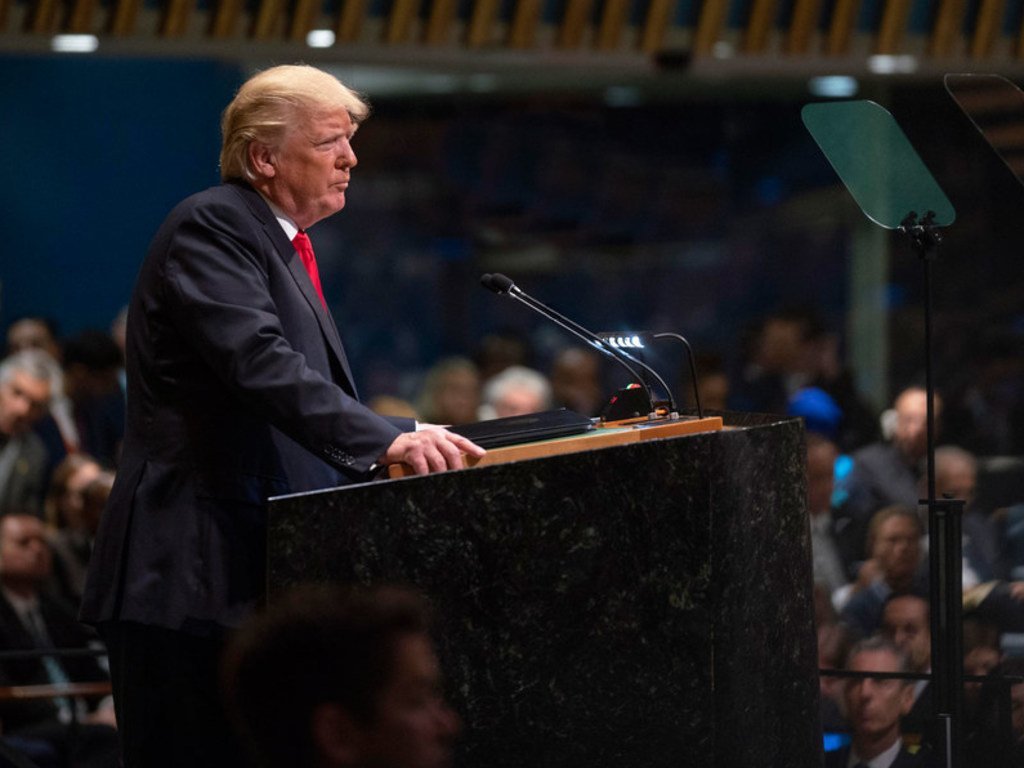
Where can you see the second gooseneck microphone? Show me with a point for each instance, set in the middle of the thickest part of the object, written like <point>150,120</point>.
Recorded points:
<point>501,284</point>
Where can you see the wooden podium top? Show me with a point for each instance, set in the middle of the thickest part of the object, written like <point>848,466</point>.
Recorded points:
<point>618,433</point>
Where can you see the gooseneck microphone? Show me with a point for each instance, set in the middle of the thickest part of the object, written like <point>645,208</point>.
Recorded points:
<point>503,285</point>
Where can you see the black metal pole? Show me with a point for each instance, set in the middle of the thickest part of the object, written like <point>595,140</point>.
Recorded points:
<point>944,541</point>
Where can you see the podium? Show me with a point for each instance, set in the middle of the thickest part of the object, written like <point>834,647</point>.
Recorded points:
<point>646,604</point>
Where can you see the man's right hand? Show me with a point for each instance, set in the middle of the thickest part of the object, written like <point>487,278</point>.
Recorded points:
<point>430,450</point>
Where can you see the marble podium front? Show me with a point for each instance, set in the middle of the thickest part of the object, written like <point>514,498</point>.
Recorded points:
<point>643,605</point>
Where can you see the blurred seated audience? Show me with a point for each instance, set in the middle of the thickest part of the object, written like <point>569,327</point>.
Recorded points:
<point>92,365</point>
<point>792,350</point>
<point>30,619</point>
<point>956,477</point>
<point>576,381</point>
<point>389,405</point>
<point>833,645</point>
<point>333,678</point>
<point>835,545</point>
<point>890,472</point>
<point>982,656</point>
<point>500,350</point>
<point>450,393</point>
<point>516,391</point>
<point>988,744</point>
<point>986,410</point>
<point>896,565</point>
<point>905,623</point>
<point>26,388</point>
<point>874,707</point>
<point>712,383</point>
<point>33,332</point>
<point>78,492</point>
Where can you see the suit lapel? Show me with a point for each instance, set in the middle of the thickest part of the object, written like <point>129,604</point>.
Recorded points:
<point>298,272</point>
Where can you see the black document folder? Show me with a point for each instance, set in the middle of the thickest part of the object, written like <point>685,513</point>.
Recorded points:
<point>529,428</point>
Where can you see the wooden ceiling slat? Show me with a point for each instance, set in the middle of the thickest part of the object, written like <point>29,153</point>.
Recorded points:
<point>175,18</point>
<point>759,27</point>
<point>400,21</point>
<point>574,23</point>
<point>42,18</point>
<point>123,17</point>
<point>304,15</point>
<point>893,27</point>
<point>350,20</point>
<point>613,19</point>
<point>986,28</point>
<point>802,26</point>
<point>655,24</point>
<point>481,23</point>
<point>948,19</point>
<point>439,22</point>
<point>80,20</point>
<point>225,19</point>
<point>523,29</point>
<point>710,24</point>
<point>840,28</point>
<point>268,16</point>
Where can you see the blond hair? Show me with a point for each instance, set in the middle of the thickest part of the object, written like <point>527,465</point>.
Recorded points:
<point>267,105</point>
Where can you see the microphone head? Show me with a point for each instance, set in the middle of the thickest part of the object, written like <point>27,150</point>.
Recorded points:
<point>501,284</point>
<point>497,283</point>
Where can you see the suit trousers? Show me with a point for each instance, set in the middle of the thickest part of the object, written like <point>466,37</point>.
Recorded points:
<point>169,708</point>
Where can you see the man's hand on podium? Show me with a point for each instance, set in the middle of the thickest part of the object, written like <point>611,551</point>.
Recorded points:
<point>430,448</point>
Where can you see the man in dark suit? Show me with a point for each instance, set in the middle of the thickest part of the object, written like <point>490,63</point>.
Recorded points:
<point>238,389</point>
<point>31,620</point>
<point>874,707</point>
<point>27,382</point>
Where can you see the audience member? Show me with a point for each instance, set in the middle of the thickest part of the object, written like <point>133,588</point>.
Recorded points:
<point>92,366</point>
<point>388,405</point>
<point>712,383</point>
<point>451,392</point>
<point>500,350</point>
<point>516,391</point>
<point>73,521</point>
<point>335,678</point>
<point>33,332</point>
<point>26,387</point>
<point>887,473</point>
<point>833,644</point>
<point>32,620</point>
<point>576,381</point>
<point>874,706</point>
<point>895,566</point>
<point>986,413</point>
<point>981,657</point>
<point>956,477</point>
<point>905,622</point>
<point>777,364</point>
<point>989,743</point>
<point>831,560</point>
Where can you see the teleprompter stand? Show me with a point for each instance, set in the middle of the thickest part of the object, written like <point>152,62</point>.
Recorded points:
<point>894,189</point>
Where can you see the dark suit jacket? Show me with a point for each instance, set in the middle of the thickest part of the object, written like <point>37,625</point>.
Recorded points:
<point>904,759</point>
<point>26,485</point>
<point>238,389</point>
<point>65,632</point>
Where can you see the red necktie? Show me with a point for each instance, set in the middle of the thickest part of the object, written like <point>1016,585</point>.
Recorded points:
<point>305,249</point>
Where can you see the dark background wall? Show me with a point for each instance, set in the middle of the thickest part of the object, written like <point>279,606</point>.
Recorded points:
<point>695,214</point>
